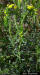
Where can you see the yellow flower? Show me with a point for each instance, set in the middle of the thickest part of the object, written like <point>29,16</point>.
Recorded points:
<point>10,5</point>
<point>15,6</point>
<point>20,1</point>
<point>4,11</point>
<point>30,7</point>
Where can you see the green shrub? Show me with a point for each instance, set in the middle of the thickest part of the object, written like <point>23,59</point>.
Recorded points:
<point>20,37</point>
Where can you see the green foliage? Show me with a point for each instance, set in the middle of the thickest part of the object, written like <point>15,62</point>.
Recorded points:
<point>20,37</point>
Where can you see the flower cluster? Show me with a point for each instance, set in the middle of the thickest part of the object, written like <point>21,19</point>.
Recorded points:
<point>29,7</point>
<point>12,5</point>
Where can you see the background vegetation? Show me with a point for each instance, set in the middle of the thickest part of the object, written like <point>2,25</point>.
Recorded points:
<point>19,37</point>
